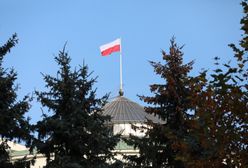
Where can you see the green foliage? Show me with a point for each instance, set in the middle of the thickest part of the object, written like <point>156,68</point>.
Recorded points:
<point>13,124</point>
<point>74,135</point>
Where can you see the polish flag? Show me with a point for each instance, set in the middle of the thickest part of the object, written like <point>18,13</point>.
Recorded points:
<point>114,46</point>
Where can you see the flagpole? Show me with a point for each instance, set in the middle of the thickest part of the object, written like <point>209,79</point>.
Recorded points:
<point>121,85</point>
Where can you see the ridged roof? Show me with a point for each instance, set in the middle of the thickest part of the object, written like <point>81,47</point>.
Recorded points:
<point>123,110</point>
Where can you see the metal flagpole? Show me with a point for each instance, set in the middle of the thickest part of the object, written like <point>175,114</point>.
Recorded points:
<point>121,86</point>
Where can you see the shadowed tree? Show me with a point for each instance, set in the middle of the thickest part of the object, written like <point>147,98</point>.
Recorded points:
<point>13,124</point>
<point>171,101</point>
<point>74,135</point>
<point>220,128</point>
<point>215,134</point>
<point>222,110</point>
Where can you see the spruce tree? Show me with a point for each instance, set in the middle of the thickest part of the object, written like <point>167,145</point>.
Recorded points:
<point>171,101</point>
<point>14,126</point>
<point>73,134</point>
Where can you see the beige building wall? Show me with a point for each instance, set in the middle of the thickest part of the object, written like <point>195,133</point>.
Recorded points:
<point>126,129</point>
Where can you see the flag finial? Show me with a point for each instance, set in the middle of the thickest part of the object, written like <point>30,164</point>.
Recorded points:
<point>121,93</point>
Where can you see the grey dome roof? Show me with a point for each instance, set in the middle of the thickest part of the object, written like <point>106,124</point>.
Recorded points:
<point>123,110</point>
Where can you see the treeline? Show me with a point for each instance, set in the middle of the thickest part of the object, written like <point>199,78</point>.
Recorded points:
<point>206,115</point>
<point>71,134</point>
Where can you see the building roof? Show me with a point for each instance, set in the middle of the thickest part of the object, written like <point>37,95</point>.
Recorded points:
<point>123,110</point>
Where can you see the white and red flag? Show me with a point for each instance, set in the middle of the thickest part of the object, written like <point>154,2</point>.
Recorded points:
<point>109,48</point>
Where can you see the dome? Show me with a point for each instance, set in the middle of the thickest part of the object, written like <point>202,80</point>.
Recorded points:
<point>123,110</point>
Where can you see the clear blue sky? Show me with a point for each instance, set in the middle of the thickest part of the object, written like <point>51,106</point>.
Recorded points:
<point>206,27</point>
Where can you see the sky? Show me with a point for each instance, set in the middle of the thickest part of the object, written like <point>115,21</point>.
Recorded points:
<point>204,27</point>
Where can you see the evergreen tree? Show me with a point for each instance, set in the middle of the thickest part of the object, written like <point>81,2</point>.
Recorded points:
<point>13,124</point>
<point>74,135</point>
<point>172,100</point>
